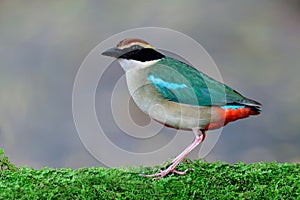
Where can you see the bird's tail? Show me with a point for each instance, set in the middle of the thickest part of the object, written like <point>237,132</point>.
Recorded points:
<point>253,105</point>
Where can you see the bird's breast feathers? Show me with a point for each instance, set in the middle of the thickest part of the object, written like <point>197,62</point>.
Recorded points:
<point>134,64</point>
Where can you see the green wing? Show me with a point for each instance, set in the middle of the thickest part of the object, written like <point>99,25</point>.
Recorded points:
<point>179,82</point>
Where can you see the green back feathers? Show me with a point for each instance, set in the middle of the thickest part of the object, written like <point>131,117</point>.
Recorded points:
<point>179,82</point>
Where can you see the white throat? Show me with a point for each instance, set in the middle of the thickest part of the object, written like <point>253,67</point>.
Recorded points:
<point>134,64</point>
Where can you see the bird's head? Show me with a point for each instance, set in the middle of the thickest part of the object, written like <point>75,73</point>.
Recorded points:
<point>134,53</point>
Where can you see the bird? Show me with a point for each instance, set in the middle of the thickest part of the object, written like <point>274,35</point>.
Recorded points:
<point>188,99</point>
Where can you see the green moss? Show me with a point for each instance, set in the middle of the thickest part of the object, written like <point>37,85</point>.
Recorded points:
<point>4,162</point>
<point>207,181</point>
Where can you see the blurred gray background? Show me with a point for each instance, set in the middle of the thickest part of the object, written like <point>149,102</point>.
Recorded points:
<point>255,44</point>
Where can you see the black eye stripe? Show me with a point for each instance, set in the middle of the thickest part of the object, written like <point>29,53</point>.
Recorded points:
<point>141,54</point>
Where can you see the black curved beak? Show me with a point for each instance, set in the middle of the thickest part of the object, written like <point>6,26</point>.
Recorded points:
<point>113,52</point>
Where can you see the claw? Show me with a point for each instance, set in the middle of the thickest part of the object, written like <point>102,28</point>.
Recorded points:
<point>163,173</point>
<point>182,173</point>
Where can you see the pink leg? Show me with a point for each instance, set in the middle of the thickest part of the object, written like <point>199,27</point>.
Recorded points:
<point>171,169</point>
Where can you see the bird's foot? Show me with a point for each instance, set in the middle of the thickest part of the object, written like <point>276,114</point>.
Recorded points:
<point>163,173</point>
<point>171,169</point>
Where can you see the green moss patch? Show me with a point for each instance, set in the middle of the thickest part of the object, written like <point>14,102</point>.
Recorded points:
<point>207,181</point>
